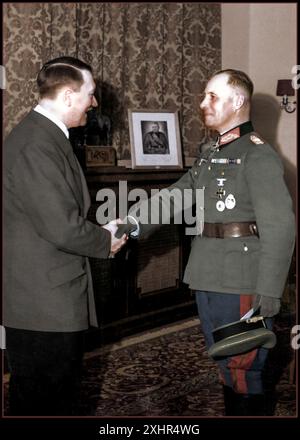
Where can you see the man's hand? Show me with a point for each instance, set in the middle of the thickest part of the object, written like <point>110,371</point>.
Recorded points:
<point>128,226</point>
<point>268,306</point>
<point>116,243</point>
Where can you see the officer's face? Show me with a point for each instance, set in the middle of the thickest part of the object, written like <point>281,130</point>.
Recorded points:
<point>217,105</point>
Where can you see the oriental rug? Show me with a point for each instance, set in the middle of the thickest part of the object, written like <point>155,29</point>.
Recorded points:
<point>167,372</point>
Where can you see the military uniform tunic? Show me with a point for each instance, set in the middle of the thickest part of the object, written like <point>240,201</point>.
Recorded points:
<point>243,181</point>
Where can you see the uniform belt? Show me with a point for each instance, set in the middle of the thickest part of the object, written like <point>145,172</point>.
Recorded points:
<point>229,230</point>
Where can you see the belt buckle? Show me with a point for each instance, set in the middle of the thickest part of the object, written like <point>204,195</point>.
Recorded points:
<point>253,229</point>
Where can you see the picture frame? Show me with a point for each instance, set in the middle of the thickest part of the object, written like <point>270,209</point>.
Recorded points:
<point>155,139</point>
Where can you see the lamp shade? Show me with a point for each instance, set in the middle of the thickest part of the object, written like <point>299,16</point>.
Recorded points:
<point>284,87</point>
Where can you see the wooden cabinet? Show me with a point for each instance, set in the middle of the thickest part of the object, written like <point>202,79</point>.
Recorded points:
<point>141,287</point>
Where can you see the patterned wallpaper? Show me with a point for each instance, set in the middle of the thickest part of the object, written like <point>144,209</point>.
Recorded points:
<point>147,55</point>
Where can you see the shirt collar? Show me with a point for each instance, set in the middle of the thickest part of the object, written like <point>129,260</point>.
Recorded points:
<point>53,118</point>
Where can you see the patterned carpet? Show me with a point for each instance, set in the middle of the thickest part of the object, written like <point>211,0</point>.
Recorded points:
<point>168,373</point>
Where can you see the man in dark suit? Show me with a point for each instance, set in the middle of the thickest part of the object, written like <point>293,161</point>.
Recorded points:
<point>48,293</point>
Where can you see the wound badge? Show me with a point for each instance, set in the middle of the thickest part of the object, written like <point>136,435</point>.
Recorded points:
<point>230,201</point>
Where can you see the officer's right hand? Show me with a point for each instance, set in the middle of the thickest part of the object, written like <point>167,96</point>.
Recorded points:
<point>127,226</point>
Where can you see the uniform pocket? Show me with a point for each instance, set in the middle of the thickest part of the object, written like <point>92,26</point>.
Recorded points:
<point>65,273</point>
<point>240,264</point>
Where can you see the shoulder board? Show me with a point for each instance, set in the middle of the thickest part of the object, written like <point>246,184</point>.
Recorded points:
<point>256,139</point>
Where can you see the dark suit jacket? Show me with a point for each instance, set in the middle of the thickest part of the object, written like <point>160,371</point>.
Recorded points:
<point>47,239</point>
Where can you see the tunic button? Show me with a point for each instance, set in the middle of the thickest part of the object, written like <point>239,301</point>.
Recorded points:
<point>222,173</point>
<point>209,168</point>
<point>196,173</point>
<point>245,248</point>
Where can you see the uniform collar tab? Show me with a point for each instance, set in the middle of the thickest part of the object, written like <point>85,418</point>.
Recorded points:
<point>234,133</point>
<point>229,136</point>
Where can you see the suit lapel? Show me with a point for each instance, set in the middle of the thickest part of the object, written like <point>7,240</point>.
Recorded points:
<point>85,200</point>
<point>85,191</point>
<point>80,190</point>
<point>75,166</point>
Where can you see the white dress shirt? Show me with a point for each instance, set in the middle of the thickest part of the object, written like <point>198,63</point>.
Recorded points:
<point>52,118</point>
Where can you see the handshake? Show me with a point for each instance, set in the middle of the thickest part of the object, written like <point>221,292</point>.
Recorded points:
<point>120,231</point>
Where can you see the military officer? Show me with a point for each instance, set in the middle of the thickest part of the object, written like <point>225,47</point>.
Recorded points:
<point>243,255</point>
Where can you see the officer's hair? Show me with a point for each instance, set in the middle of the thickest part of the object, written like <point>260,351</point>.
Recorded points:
<point>59,72</point>
<point>239,79</point>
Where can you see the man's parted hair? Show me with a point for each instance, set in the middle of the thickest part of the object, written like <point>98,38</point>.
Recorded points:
<point>239,79</point>
<point>59,72</point>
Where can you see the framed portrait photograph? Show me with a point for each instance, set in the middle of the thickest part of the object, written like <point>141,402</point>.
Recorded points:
<point>155,139</point>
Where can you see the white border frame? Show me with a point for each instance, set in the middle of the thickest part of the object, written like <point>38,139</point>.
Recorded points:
<point>171,160</point>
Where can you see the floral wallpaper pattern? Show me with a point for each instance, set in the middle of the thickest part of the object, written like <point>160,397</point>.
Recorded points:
<point>147,56</point>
